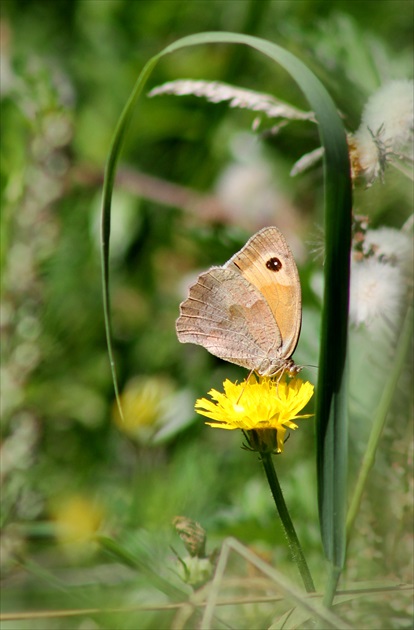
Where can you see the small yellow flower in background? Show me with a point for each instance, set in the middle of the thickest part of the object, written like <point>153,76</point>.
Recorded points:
<point>258,405</point>
<point>77,519</point>
<point>143,403</point>
<point>154,410</point>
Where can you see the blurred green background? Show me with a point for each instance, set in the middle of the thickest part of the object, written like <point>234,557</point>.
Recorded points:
<point>194,182</point>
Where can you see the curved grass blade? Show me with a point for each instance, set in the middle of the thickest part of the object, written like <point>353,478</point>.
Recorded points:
<point>331,400</point>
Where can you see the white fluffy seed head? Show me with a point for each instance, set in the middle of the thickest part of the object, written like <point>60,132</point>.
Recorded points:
<point>386,130</point>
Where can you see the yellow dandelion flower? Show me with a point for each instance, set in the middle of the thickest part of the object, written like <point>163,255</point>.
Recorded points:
<point>144,402</point>
<point>77,519</point>
<point>258,405</point>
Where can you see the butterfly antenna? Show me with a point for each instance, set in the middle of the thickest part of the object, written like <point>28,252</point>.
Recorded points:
<point>309,365</point>
<point>242,391</point>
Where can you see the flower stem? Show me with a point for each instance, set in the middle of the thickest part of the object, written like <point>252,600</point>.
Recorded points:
<point>293,541</point>
<point>380,417</point>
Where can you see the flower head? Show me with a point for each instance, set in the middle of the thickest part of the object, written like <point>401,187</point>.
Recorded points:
<point>392,246</point>
<point>377,290</point>
<point>391,108</point>
<point>77,520</point>
<point>380,270</point>
<point>145,402</point>
<point>386,131</point>
<point>258,405</point>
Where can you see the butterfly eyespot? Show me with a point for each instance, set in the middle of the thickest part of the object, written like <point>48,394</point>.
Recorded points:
<point>274,264</point>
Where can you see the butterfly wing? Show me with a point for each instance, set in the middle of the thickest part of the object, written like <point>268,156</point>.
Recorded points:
<point>227,315</point>
<point>267,263</point>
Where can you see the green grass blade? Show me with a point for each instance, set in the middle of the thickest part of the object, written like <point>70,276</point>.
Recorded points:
<point>331,401</point>
<point>332,391</point>
<point>380,415</point>
<point>143,563</point>
<point>108,185</point>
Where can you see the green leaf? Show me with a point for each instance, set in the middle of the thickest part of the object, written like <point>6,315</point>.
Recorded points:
<point>332,393</point>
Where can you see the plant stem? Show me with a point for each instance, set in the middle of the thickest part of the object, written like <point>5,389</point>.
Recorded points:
<point>293,541</point>
<point>380,418</point>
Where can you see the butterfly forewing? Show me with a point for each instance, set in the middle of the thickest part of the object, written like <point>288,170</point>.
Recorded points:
<point>267,262</point>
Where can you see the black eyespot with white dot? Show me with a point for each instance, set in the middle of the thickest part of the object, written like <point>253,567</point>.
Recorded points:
<point>274,264</point>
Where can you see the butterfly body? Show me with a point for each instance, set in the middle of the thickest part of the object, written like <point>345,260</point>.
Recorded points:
<point>248,311</point>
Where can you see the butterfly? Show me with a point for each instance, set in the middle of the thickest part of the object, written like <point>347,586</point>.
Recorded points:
<point>249,311</point>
